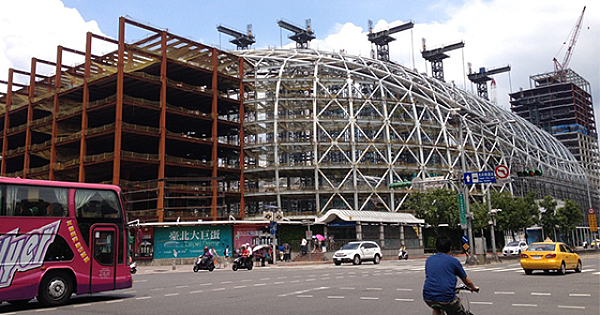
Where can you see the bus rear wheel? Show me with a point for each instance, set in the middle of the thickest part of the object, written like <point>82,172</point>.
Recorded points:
<point>55,289</point>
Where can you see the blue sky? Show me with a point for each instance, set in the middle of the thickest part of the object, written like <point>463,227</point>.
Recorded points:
<point>525,34</point>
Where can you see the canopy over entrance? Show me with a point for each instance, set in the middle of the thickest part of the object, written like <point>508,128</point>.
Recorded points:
<point>369,216</point>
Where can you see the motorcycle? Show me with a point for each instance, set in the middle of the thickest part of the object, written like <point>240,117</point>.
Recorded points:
<point>133,268</point>
<point>402,254</point>
<point>204,263</point>
<point>242,262</point>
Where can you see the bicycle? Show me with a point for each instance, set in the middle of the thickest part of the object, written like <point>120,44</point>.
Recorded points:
<point>463,299</point>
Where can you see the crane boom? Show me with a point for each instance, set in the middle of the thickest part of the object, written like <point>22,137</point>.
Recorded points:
<point>574,35</point>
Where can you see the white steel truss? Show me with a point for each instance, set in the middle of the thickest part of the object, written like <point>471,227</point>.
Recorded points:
<point>328,130</point>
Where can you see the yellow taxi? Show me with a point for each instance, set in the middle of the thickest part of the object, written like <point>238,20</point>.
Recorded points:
<point>548,256</point>
<point>595,243</point>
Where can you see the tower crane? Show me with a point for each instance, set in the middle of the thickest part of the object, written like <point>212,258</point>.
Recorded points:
<point>381,39</point>
<point>241,40</point>
<point>436,57</point>
<point>482,77</point>
<point>558,66</point>
<point>300,36</point>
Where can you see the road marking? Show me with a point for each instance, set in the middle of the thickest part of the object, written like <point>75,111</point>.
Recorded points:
<point>263,279</point>
<point>346,288</point>
<point>82,305</point>
<point>115,301</point>
<point>260,284</point>
<point>209,283</point>
<point>136,281</point>
<point>540,293</point>
<point>157,289</point>
<point>182,286</point>
<point>505,293</point>
<point>507,269</point>
<point>225,282</point>
<point>309,280</point>
<point>280,282</point>
<point>304,296</point>
<point>579,294</point>
<point>374,289</point>
<point>340,277</point>
<point>129,292</point>
<point>146,297</point>
<point>525,305</point>
<point>218,289</point>
<point>281,277</point>
<point>295,281</point>
<point>296,276</point>
<point>46,309</point>
<point>247,280</point>
<point>303,291</point>
<point>326,278</point>
<point>368,298</point>
<point>587,270</point>
<point>239,287</point>
<point>335,297</point>
<point>171,294</point>
<point>197,291</point>
<point>401,289</point>
<point>482,303</point>
<point>405,300</point>
<point>572,307</point>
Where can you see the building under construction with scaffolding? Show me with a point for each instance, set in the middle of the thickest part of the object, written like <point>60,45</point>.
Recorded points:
<point>161,117</point>
<point>560,103</point>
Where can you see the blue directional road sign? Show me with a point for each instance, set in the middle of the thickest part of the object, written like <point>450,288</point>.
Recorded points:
<point>465,239</point>
<point>480,177</point>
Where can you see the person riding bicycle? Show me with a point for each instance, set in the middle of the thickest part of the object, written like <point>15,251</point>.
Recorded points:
<point>441,271</point>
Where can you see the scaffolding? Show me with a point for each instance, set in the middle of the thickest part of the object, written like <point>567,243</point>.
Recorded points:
<point>158,108</point>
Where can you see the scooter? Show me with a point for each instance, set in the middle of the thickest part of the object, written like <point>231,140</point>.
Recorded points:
<point>204,263</point>
<point>239,263</point>
<point>133,268</point>
<point>402,254</point>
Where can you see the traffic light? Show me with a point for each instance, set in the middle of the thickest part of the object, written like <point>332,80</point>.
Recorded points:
<point>400,184</point>
<point>530,173</point>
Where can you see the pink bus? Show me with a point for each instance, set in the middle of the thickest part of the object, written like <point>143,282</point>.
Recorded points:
<point>60,238</point>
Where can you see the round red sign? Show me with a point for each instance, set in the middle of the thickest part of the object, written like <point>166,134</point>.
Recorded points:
<point>591,210</point>
<point>501,171</point>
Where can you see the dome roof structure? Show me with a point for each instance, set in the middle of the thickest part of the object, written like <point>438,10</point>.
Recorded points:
<point>332,131</point>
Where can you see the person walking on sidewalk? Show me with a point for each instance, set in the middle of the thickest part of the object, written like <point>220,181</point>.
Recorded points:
<point>303,246</point>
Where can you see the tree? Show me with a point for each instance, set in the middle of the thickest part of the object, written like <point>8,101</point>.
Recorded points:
<point>518,213</point>
<point>436,207</point>
<point>569,216</point>
<point>549,219</point>
<point>481,216</point>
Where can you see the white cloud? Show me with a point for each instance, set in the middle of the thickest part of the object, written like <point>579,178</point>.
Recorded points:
<point>524,34</point>
<point>34,28</point>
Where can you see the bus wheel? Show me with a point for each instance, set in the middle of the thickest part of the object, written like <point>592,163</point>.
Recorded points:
<point>55,288</point>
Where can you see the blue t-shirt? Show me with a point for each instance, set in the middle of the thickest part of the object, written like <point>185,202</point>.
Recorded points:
<point>441,271</point>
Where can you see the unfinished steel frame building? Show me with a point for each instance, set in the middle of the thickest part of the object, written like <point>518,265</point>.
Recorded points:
<point>331,131</point>
<point>161,117</point>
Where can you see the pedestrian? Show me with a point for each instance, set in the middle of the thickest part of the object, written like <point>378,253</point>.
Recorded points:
<point>287,251</point>
<point>303,246</point>
<point>226,255</point>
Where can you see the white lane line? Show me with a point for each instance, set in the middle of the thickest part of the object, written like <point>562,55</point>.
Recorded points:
<point>340,277</point>
<point>405,300</point>
<point>82,305</point>
<point>374,289</point>
<point>279,282</point>
<point>239,286</point>
<point>136,281</point>
<point>346,288</point>
<point>260,284</point>
<point>504,293</point>
<point>218,289</point>
<point>12,313</point>
<point>482,303</point>
<point>197,291</point>
<point>295,281</point>
<point>247,280</point>
<point>588,270</point>
<point>144,297</point>
<point>263,279</point>
<point>211,283</point>
<point>303,291</point>
<point>115,301</point>
<point>225,282</point>
<point>368,298</point>
<point>157,289</point>
<point>182,286</point>
<point>304,296</point>
<point>507,269</point>
<point>335,297</point>
<point>402,289</point>
<point>572,307</point>
<point>326,278</point>
<point>579,294</point>
<point>281,277</point>
<point>309,280</point>
<point>596,273</point>
<point>525,305</point>
<point>171,294</point>
<point>46,309</point>
<point>129,292</point>
<point>541,293</point>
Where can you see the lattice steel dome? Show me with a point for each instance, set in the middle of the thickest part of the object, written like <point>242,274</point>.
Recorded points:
<point>328,130</point>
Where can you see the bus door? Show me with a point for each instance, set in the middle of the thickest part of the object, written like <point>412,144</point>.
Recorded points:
<point>104,262</point>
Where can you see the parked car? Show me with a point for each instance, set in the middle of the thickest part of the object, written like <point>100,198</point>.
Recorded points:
<point>357,252</point>
<point>595,243</point>
<point>514,248</point>
<point>548,256</point>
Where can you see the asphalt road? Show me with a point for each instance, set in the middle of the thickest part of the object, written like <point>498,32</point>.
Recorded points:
<point>393,287</point>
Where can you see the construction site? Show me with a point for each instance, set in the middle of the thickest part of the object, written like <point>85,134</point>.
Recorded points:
<point>191,132</point>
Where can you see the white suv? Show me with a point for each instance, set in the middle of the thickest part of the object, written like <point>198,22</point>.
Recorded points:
<point>357,252</point>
